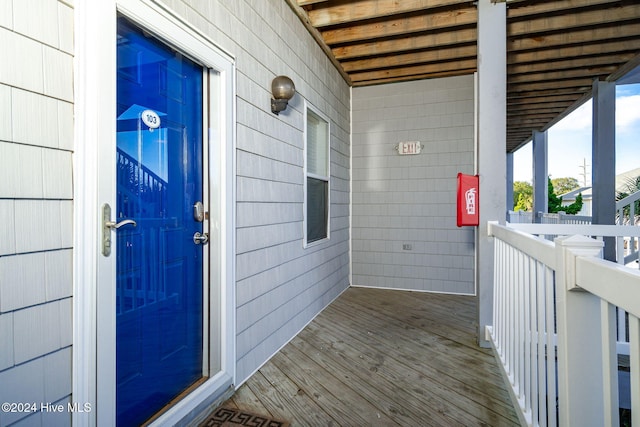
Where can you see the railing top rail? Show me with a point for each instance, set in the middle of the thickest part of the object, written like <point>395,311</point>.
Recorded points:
<point>628,200</point>
<point>585,229</point>
<point>537,248</point>
<point>611,282</point>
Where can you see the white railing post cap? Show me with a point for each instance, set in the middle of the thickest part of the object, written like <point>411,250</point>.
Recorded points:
<point>571,247</point>
<point>579,242</point>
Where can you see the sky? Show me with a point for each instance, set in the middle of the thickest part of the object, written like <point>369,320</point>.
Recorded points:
<point>569,141</point>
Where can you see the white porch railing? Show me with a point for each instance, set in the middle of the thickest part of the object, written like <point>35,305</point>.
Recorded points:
<point>563,218</point>
<point>554,327</point>
<point>524,217</point>
<point>626,214</point>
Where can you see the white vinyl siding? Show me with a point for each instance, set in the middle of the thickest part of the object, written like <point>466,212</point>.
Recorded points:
<point>404,233</point>
<point>36,208</point>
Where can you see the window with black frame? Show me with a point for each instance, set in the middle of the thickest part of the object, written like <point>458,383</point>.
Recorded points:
<point>317,177</point>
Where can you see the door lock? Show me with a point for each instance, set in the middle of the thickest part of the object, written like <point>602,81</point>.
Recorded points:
<point>198,212</point>
<point>108,225</point>
<point>201,238</point>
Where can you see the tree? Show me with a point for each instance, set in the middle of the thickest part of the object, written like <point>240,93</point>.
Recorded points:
<point>555,202</point>
<point>564,185</point>
<point>522,204</point>
<point>522,196</point>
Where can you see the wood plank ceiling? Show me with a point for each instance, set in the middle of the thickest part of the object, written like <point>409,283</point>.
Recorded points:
<point>555,48</point>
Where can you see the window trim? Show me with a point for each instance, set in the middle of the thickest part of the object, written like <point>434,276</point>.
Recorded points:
<point>308,107</point>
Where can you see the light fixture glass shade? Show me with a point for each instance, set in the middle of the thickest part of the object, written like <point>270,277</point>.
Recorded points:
<point>282,87</point>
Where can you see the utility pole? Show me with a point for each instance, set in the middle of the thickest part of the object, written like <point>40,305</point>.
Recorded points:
<point>584,172</point>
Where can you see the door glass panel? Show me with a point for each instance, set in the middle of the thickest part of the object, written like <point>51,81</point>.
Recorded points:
<point>159,289</point>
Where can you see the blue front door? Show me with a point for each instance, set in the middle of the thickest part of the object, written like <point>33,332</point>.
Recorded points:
<point>159,294</point>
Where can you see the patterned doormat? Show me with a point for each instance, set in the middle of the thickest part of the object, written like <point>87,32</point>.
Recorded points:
<point>230,417</point>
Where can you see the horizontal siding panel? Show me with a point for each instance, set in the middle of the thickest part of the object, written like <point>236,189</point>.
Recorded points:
<point>35,119</point>
<point>57,382</point>
<point>317,296</point>
<point>34,19</point>
<point>43,225</point>
<point>57,174</point>
<point>253,238</point>
<point>258,308</point>
<point>6,338</point>
<point>5,108</point>
<point>20,171</point>
<point>266,213</point>
<point>22,64</point>
<point>287,147</point>
<point>254,166</point>
<point>256,190</point>
<point>250,263</point>
<point>22,281</point>
<point>7,227</point>
<point>58,73</point>
<point>23,383</point>
<point>37,331</point>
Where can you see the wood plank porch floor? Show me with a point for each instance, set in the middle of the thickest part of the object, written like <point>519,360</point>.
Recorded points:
<point>384,358</point>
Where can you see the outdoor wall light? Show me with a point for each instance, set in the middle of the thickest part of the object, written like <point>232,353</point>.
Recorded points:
<point>283,89</point>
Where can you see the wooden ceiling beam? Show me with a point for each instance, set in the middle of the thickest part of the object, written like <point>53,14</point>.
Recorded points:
<point>610,33</point>
<point>422,69</point>
<point>430,56</point>
<point>577,19</point>
<point>523,94</point>
<point>587,49</point>
<point>525,10</point>
<point>403,74</point>
<point>401,26</point>
<point>511,113</point>
<point>456,36</point>
<point>357,11</point>
<point>536,122</point>
<point>577,84</point>
<point>557,75</point>
<point>310,2</point>
<point>568,64</point>
<point>539,100</point>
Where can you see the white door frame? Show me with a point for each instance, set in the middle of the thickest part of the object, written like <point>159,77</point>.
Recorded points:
<point>93,382</point>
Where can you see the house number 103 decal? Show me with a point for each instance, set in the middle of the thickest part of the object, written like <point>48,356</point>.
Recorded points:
<point>151,119</point>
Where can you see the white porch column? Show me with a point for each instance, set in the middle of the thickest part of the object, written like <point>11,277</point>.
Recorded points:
<point>540,174</point>
<point>492,118</point>
<point>603,149</point>
<point>510,201</point>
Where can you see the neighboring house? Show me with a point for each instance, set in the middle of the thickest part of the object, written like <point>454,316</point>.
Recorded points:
<point>587,194</point>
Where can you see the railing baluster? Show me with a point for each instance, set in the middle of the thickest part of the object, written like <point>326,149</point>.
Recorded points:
<point>634,359</point>
<point>551,355</point>
<point>526,333</point>
<point>532,376</point>
<point>541,389</point>
<point>500,314</point>
<point>510,309</point>
<point>610,360</point>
